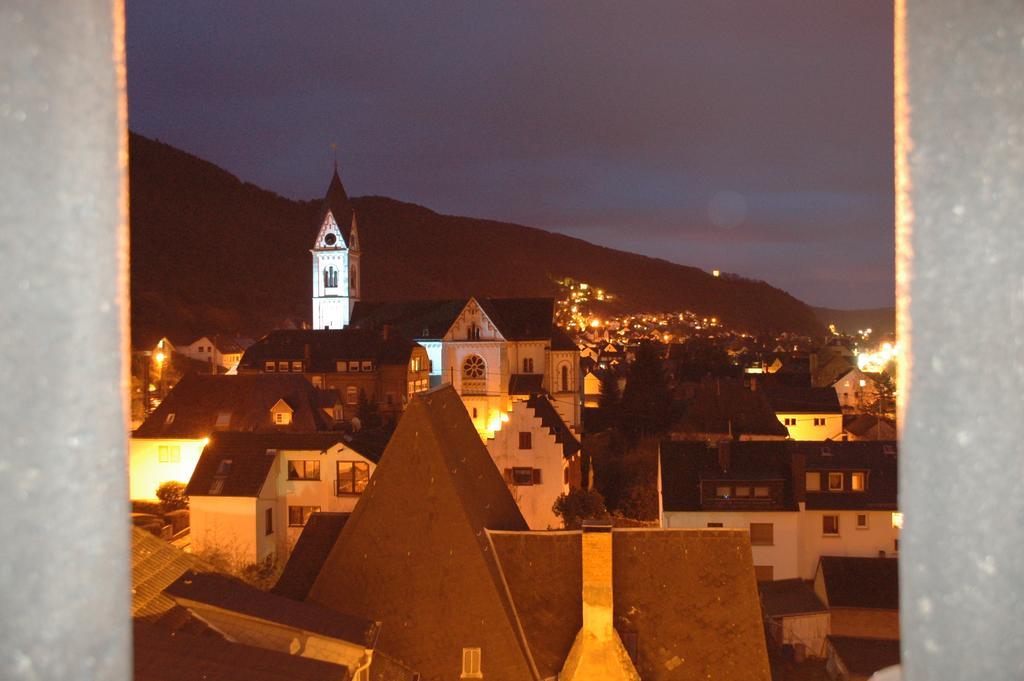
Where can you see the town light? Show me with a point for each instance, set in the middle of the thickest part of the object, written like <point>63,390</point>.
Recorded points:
<point>715,273</point>
<point>159,357</point>
<point>897,520</point>
<point>594,323</point>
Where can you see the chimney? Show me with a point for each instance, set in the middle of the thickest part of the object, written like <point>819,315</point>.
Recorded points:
<point>597,578</point>
<point>724,458</point>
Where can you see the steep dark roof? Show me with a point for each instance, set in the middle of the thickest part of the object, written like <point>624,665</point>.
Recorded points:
<point>155,565</point>
<point>802,400</point>
<point>687,598</point>
<point>232,594</point>
<point>196,402</point>
<point>789,597</point>
<point>560,340</point>
<point>414,555</point>
<point>724,405</point>
<point>337,202</point>
<point>861,582</point>
<point>308,556</point>
<point>515,318</point>
<point>250,461</point>
<point>165,655</point>
<point>556,425</point>
<point>321,349</point>
<point>684,465</point>
<point>525,384</point>
<point>865,656</point>
<point>867,425</point>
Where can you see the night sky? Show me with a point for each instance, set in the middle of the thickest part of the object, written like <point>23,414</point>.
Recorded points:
<point>753,137</point>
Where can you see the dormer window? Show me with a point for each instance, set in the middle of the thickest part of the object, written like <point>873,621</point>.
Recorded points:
<point>223,419</point>
<point>282,418</point>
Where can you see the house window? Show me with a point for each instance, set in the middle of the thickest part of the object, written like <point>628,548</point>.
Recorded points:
<point>169,420</point>
<point>169,453</point>
<point>223,419</point>
<point>269,366</point>
<point>524,477</point>
<point>351,395</point>
<point>525,440</point>
<point>471,664</point>
<point>764,573</point>
<point>224,467</point>
<point>565,475</point>
<point>715,525</point>
<point>367,365</point>
<point>897,520</point>
<point>297,367</point>
<point>353,366</point>
<point>474,368</point>
<point>353,477</point>
<point>857,482</point>
<point>473,332</point>
<point>298,516</point>
<point>742,491</point>
<point>528,365</point>
<point>268,521</point>
<point>835,482</point>
<point>762,492</point>
<point>565,378</point>
<point>762,534</point>
<point>317,381</point>
<point>789,421</point>
<point>304,470</point>
<point>282,418</point>
<point>474,412</point>
<point>723,492</point>
<point>813,481</point>
<point>862,521</point>
<point>830,525</point>
<point>330,277</point>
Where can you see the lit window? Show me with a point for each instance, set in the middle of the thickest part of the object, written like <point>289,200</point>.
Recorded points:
<point>297,367</point>
<point>762,534</point>
<point>353,366</point>
<point>282,366</point>
<point>471,664</point>
<point>862,521</point>
<point>282,418</point>
<point>762,492</point>
<point>367,366</point>
<point>162,453</point>
<point>830,525</point>
<point>813,479</point>
<point>835,482</point>
<point>857,482</point>
<point>723,492</point>
<point>304,470</point>
<point>525,440</point>
<point>897,520</point>
<point>270,366</point>
<point>351,395</point>
<point>353,477</point>
<point>298,516</point>
<point>742,491</point>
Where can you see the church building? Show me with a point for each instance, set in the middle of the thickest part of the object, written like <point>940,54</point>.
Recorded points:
<point>335,260</point>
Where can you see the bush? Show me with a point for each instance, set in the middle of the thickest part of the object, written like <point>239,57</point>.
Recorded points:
<point>172,496</point>
<point>579,505</point>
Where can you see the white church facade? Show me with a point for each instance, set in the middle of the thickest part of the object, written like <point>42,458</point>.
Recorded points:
<point>335,260</point>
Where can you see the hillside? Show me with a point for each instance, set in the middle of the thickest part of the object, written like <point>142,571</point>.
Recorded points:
<point>210,253</point>
<point>881,320</point>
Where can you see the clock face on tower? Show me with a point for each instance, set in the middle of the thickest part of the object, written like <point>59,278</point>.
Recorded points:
<point>330,239</point>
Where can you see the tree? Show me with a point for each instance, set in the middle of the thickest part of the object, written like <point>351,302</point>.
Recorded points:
<point>579,505</point>
<point>646,401</point>
<point>172,495</point>
<point>610,400</point>
<point>367,411</point>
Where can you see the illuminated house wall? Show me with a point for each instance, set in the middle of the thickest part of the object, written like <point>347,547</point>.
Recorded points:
<point>813,426</point>
<point>152,461</point>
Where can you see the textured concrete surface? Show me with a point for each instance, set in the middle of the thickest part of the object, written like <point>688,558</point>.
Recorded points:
<point>64,568</point>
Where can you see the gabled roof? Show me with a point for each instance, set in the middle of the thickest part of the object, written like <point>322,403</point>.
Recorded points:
<point>867,425</point>
<point>414,554</point>
<point>309,553</point>
<point>252,457</point>
<point>165,655</point>
<point>785,597</point>
<point>515,318</point>
<point>802,400</point>
<point>196,402</point>
<point>556,425</point>
<point>685,599</point>
<point>337,202</point>
<point>228,593</point>
<point>861,582</point>
<point>155,565</point>
<point>321,349</point>
<point>722,405</point>
<point>865,656</point>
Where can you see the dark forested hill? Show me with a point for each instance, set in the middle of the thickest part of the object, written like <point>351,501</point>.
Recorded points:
<point>210,253</point>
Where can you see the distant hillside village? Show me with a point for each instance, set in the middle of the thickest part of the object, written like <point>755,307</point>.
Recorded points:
<point>511,488</point>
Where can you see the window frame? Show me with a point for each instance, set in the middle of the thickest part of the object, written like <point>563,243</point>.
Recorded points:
<point>293,470</point>
<point>842,482</point>
<point>867,522</point>
<point>825,533</point>
<point>525,439</point>
<point>355,484</point>
<point>304,516</point>
<point>472,664</point>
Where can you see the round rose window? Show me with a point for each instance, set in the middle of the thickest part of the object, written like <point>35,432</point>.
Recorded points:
<point>473,367</point>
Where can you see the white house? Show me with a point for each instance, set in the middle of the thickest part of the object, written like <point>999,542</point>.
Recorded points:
<point>798,500</point>
<point>535,450</point>
<point>167,446</point>
<point>493,351</point>
<point>856,390</point>
<point>808,413</point>
<point>252,493</point>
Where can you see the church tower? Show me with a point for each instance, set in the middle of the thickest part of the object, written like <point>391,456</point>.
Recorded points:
<point>335,252</point>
